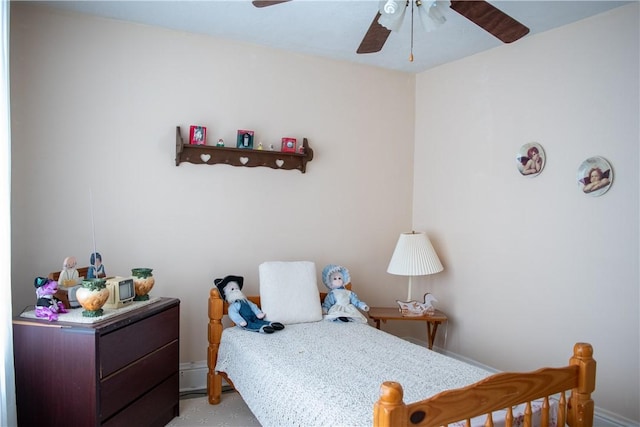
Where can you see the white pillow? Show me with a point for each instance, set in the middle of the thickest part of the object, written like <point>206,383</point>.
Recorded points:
<point>289,293</point>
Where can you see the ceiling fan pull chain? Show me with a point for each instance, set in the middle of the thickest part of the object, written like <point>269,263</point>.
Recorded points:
<point>411,54</point>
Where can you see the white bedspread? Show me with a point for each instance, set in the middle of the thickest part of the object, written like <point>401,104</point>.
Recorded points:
<point>335,368</point>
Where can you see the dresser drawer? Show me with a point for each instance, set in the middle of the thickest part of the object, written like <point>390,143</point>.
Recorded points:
<point>154,409</point>
<point>125,345</point>
<point>128,384</point>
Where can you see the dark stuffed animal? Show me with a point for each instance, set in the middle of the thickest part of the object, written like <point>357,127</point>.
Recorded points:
<point>243,312</point>
<point>47,305</point>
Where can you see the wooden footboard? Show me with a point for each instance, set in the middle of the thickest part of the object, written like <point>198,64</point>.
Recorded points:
<point>499,391</point>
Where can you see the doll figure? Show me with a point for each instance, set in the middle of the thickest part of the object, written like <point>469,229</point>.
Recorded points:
<point>341,303</point>
<point>96,268</point>
<point>69,275</point>
<point>47,305</point>
<point>243,312</point>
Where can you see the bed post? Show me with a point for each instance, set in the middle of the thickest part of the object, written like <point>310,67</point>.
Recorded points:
<point>214,381</point>
<point>390,410</point>
<point>580,403</point>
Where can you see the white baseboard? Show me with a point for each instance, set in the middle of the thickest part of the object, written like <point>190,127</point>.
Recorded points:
<point>602,417</point>
<point>193,376</point>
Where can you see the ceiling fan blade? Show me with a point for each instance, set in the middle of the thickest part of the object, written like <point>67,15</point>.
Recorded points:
<point>491,19</point>
<point>265,3</point>
<point>375,37</point>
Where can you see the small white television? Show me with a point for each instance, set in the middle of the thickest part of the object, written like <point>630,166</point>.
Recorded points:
<point>121,291</point>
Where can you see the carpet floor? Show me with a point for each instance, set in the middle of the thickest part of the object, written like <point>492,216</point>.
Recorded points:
<point>195,410</point>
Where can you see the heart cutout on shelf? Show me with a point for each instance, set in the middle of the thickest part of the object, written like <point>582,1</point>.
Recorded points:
<point>244,160</point>
<point>279,163</point>
<point>205,157</point>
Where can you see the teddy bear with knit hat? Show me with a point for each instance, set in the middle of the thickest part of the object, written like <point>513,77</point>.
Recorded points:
<point>242,311</point>
<point>341,303</point>
<point>47,305</point>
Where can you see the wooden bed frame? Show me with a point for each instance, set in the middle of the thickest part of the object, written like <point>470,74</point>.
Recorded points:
<point>501,391</point>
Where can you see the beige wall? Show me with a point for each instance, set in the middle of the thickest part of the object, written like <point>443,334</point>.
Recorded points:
<point>535,257</point>
<point>95,104</point>
<point>105,98</point>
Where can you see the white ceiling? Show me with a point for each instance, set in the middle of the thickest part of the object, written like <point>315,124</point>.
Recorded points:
<point>334,29</point>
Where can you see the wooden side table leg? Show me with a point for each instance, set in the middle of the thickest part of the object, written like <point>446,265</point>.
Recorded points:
<point>377,323</point>
<point>430,335</point>
<point>435,329</point>
<point>432,328</point>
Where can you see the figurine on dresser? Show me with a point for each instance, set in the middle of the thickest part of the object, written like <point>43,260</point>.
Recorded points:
<point>96,268</point>
<point>69,274</point>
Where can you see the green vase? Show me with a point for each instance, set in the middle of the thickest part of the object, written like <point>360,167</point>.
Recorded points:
<point>143,281</point>
<point>92,295</point>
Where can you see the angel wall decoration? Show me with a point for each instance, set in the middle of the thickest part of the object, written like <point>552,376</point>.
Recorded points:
<point>531,159</point>
<point>595,176</point>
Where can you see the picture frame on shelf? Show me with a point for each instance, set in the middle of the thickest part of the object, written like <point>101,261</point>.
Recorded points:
<point>245,139</point>
<point>288,145</point>
<point>198,135</point>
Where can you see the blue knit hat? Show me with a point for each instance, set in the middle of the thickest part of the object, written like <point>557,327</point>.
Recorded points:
<point>332,268</point>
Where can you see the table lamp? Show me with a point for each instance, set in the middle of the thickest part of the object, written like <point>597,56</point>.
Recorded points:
<point>414,256</point>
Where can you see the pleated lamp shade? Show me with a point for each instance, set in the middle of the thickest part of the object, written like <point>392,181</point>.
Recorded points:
<point>414,256</point>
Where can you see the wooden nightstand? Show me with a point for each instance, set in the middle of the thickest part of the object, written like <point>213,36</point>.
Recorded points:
<point>393,313</point>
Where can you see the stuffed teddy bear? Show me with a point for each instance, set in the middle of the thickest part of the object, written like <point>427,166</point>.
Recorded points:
<point>243,312</point>
<point>341,303</point>
<point>47,305</point>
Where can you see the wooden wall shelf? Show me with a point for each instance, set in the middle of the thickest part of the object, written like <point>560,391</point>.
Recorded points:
<point>211,155</point>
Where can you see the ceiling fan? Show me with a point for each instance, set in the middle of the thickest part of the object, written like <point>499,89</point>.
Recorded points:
<point>481,13</point>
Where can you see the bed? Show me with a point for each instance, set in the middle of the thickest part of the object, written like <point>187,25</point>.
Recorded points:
<point>350,374</point>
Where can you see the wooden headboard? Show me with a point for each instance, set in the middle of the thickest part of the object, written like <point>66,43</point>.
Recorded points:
<point>256,298</point>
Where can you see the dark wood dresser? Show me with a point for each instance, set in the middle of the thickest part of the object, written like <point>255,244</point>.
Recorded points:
<point>122,371</point>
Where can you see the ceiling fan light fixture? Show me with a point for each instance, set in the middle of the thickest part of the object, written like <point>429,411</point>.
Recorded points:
<point>392,13</point>
<point>391,7</point>
<point>431,13</point>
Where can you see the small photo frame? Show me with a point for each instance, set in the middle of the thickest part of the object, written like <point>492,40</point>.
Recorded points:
<point>595,176</point>
<point>289,145</point>
<point>531,159</point>
<point>245,139</point>
<point>198,135</point>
